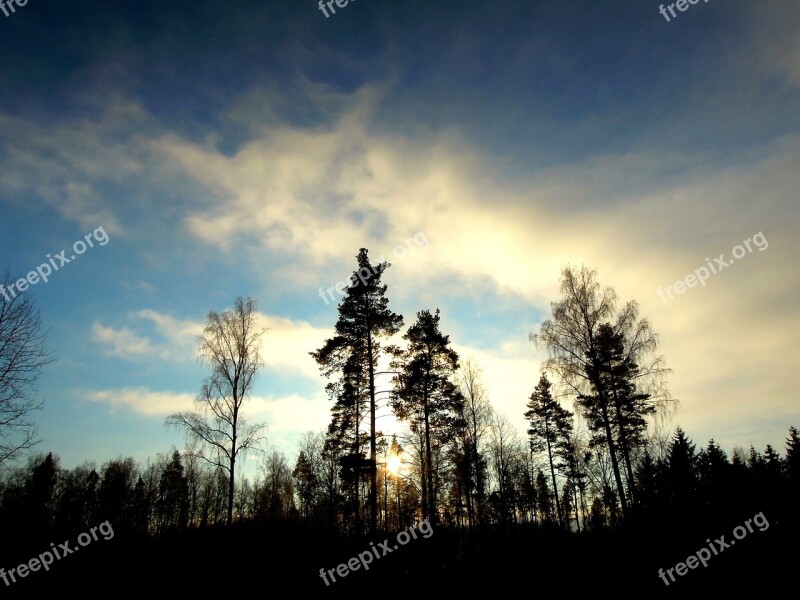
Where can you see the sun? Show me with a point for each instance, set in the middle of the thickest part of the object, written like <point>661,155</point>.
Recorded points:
<point>393,464</point>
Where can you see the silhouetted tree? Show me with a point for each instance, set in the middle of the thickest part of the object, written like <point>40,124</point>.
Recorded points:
<point>230,344</point>
<point>77,498</point>
<point>39,492</point>
<point>116,487</point>
<point>793,456</point>
<point>140,507</point>
<point>682,469</point>
<point>571,340</point>
<point>364,318</point>
<point>426,397</point>
<point>173,496</point>
<point>306,483</point>
<point>550,428</point>
<point>476,414</point>
<point>22,356</point>
<point>505,457</point>
<point>543,499</point>
<point>714,472</point>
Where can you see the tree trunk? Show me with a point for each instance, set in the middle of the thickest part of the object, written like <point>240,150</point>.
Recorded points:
<point>553,472</point>
<point>373,450</point>
<point>233,452</point>
<point>623,440</point>
<point>230,488</point>
<point>614,463</point>
<point>429,461</point>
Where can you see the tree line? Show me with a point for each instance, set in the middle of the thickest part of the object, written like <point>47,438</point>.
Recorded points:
<point>597,455</point>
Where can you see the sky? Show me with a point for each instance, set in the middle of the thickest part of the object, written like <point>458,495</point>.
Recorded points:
<point>221,150</point>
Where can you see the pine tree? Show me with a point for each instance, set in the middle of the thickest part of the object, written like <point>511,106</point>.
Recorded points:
<point>425,396</point>
<point>617,371</point>
<point>549,431</point>
<point>364,318</point>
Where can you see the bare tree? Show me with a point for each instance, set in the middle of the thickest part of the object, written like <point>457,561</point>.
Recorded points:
<point>478,415</point>
<point>22,356</point>
<point>506,452</point>
<point>230,345</point>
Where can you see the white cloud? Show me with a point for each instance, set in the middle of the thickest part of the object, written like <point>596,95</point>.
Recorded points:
<point>285,416</point>
<point>285,346</point>
<point>121,342</point>
<point>143,401</point>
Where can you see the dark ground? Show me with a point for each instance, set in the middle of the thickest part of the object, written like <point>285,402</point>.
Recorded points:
<point>286,555</point>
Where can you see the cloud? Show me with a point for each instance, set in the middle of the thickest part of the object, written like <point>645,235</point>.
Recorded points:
<point>121,342</point>
<point>285,416</point>
<point>143,401</point>
<point>286,345</point>
<point>176,338</point>
<point>284,349</point>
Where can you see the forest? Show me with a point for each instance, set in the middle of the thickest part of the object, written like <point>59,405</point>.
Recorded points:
<point>604,481</point>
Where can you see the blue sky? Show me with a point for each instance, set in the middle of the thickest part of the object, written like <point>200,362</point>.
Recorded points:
<point>251,148</point>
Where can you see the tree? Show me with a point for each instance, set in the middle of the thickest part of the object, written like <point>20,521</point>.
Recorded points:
<point>39,491</point>
<point>573,458</point>
<point>505,451</point>
<point>621,408</point>
<point>140,511</point>
<point>230,345</point>
<point>22,357</point>
<point>116,489</point>
<point>425,395</point>
<point>571,340</point>
<point>173,496</point>
<point>567,499</point>
<point>682,469</point>
<point>550,428</point>
<point>543,499</point>
<point>714,472</point>
<point>364,318</point>
<point>278,491</point>
<point>476,413</point>
<point>793,456</point>
<point>345,439</point>
<point>307,483</point>
<point>77,498</point>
